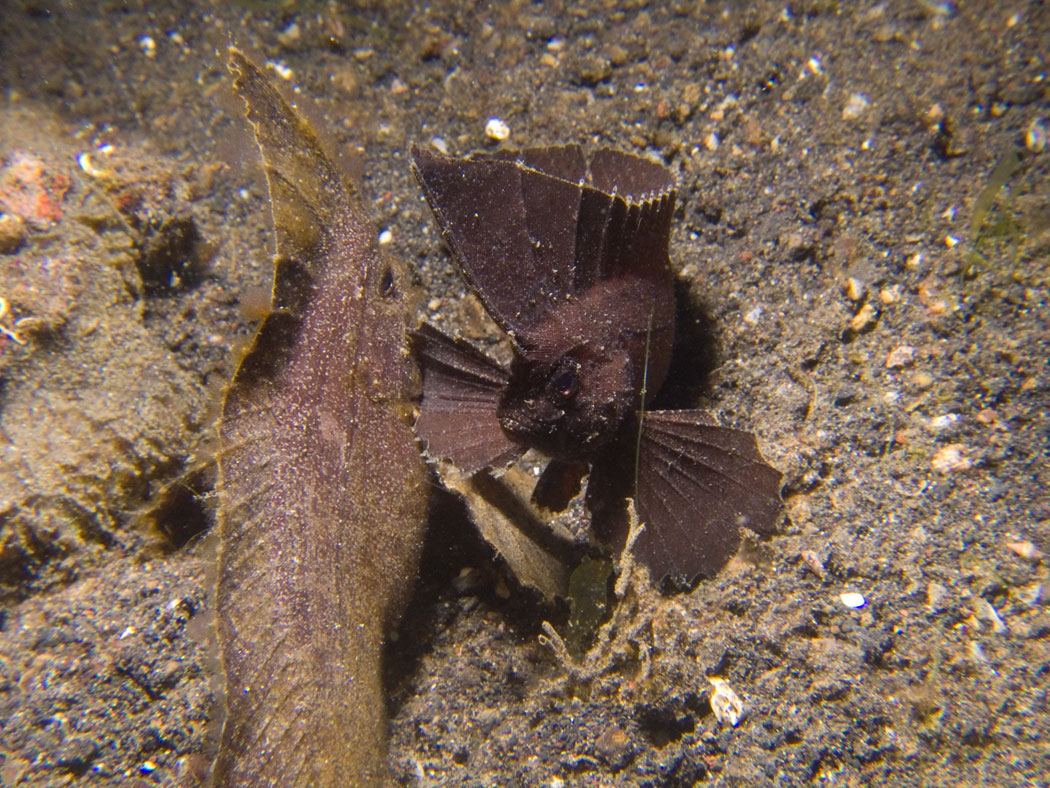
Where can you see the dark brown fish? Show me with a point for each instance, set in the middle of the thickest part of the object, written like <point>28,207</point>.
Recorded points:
<point>323,492</point>
<point>569,256</point>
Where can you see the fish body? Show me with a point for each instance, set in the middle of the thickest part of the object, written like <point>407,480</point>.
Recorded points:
<point>569,254</point>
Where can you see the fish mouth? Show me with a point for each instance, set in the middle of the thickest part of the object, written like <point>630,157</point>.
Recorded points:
<point>534,433</point>
<point>527,425</point>
<point>519,428</point>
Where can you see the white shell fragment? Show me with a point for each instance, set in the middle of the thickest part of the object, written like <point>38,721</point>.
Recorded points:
<point>977,654</point>
<point>1035,136</point>
<point>951,458</point>
<point>725,703</point>
<point>90,168</point>
<point>901,356</point>
<point>852,599</point>
<point>282,69</point>
<point>991,616</point>
<point>497,129</point>
<point>944,422</point>
<point>856,106</point>
<point>1025,549</point>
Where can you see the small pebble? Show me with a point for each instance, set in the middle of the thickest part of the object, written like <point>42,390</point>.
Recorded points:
<point>936,596</point>
<point>1033,595</point>
<point>691,94</point>
<point>719,112</point>
<point>290,35</point>
<point>12,233</point>
<point>856,106</point>
<point>813,563</point>
<point>855,289</point>
<point>852,599</point>
<point>613,745</point>
<point>977,652</point>
<point>864,319</point>
<point>989,417</point>
<point>891,295</point>
<point>592,69</point>
<point>617,55</point>
<point>487,718</point>
<point>1035,136</point>
<point>725,703</point>
<point>282,69</point>
<point>951,458</point>
<point>497,129</point>
<point>989,614</point>
<point>753,316</point>
<point>901,356</point>
<point>944,422</point>
<point>1026,550</point>
<point>922,380</point>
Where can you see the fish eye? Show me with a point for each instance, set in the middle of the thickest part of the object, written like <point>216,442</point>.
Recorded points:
<point>565,380</point>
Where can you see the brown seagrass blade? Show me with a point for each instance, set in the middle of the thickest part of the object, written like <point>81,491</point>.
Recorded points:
<point>322,488</point>
<point>697,485</point>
